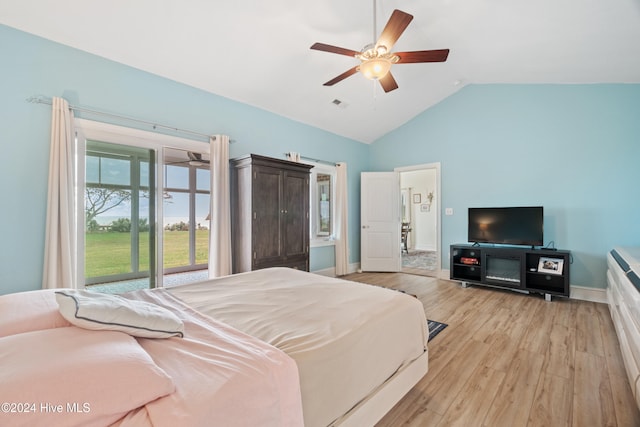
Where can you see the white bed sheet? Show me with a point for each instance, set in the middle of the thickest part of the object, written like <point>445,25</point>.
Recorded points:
<point>347,338</point>
<point>223,376</point>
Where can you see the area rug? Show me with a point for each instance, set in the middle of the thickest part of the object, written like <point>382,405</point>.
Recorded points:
<point>420,259</point>
<point>435,328</point>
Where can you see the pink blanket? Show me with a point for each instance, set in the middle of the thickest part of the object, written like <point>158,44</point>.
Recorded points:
<point>223,377</point>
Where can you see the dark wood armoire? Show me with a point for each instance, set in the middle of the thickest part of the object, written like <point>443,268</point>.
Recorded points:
<point>269,213</point>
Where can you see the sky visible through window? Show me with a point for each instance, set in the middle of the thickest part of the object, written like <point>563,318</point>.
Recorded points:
<point>176,208</point>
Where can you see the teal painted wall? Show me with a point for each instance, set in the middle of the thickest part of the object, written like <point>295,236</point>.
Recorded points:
<point>574,149</point>
<point>34,66</point>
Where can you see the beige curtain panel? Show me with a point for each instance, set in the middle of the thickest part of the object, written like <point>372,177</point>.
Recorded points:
<point>342,219</point>
<point>220,224</point>
<point>60,255</point>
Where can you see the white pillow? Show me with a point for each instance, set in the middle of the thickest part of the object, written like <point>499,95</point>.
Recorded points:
<point>98,311</point>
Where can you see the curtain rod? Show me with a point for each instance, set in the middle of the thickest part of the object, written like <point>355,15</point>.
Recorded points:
<point>48,101</point>
<point>316,160</point>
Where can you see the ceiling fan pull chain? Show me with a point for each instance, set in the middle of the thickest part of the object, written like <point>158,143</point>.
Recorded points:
<point>375,96</point>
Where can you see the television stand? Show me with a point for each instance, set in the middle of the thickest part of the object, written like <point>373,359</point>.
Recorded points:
<point>524,270</point>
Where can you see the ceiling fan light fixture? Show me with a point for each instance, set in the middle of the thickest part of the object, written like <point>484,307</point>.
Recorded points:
<point>375,68</point>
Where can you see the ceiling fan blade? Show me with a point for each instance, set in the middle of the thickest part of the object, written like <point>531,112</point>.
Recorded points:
<point>334,49</point>
<point>395,27</point>
<point>342,76</point>
<point>388,83</point>
<point>439,55</point>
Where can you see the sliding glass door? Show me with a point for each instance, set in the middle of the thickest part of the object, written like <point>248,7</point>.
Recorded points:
<point>119,210</point>
<point>143,208</point>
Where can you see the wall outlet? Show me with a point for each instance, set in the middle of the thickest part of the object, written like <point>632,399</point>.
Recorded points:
<point>448,211</point>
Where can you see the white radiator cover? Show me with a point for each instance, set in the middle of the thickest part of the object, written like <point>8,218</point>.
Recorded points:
<point>623,295</point>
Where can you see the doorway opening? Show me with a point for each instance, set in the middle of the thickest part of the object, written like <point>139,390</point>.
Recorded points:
<point>420,204</point>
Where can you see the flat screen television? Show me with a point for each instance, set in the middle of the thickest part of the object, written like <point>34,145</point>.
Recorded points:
<point>508,225</point>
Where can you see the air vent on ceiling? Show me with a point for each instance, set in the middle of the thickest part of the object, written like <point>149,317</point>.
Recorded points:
<point>339,103</point>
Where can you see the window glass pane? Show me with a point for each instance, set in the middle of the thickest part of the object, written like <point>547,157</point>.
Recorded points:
<point>108,232</point>
<point>203,179</point>
<point>144,174</point>
<point>202,228</point>
<point>92,165</point>
<point>103,205</point>
<point>115,171</point>
<point>117,214</point>
<point>324,224</point>
<point>186,211</point>
<point>177,177</point>
<point>176,229</point>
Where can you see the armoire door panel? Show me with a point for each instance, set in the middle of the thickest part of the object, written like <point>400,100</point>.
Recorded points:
<point>296,221</point>
<point>267,213</point>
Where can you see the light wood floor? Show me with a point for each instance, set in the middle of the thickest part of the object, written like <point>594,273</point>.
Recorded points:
<point>509,359</point>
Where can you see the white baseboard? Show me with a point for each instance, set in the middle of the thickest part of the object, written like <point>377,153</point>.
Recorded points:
<point>331,271</point>
<point>588,294</point>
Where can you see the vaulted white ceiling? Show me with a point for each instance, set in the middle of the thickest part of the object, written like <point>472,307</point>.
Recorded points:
<point>257,52</point>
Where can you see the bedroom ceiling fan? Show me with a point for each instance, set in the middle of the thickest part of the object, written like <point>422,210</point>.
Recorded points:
<point>195,159</point>
<point>376,59</point>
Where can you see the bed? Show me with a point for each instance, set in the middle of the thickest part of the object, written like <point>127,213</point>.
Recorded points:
<point>56,373</point>
<point>273,347</point>
<point>348,339</point>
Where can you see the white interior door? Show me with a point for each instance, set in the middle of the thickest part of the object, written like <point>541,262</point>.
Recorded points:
<point>380,221</point>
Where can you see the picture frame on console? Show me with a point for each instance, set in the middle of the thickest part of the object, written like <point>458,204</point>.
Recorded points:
<point>550,265</point>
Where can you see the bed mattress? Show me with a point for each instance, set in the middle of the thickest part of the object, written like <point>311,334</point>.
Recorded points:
<point>346,338</point>
<point>223,376</point>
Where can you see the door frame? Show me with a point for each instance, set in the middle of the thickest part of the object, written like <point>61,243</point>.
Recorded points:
<point>106,132</point>
<point>438,190</point>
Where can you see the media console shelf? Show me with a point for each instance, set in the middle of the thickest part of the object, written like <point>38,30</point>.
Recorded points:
<point>528,270</point>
